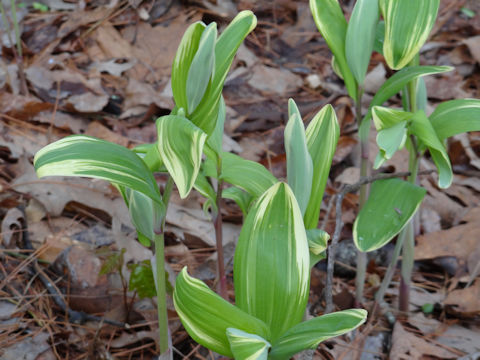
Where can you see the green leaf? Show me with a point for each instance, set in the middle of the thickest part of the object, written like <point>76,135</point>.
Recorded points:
<point>317,240</point>
<point>391,125</point>
<point>308,334</point>
<point>456,117</point>
<point>81,155</point>
<point>215,141</point>
<point>113,263</point>
<point>248,175</point>
<point>271,263</point>
<point>201,68</point>
<point>146,214</point>
<point>396,83</point>
<point>299,161</point>
<point>206,316</point>
<point>332,25</point>
<point>180,144</point>
<point>322,136</point>
<point>390,205</point>
<point>424,131</point>
<point>183,59</point>
<point>379,37</point>
<point>141,280</point>
<point>422,96</point>
<point>384,117</point>
<point>150,155</point>
<point>389,141</point>
<point>361,37</point>
<point>202,185</point>
<point>247,346</point>
<point>242,198</point>
<point>407,26</point>
<point>205,115</point>
<point>317,244</point>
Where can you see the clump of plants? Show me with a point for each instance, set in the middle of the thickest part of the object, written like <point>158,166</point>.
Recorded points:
<point>279,241</point>
<point>396,29</point>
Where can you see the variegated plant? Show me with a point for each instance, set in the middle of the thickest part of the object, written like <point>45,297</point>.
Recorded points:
<point>199,71</point>
<point>404,29</point>
<point>271,278</point>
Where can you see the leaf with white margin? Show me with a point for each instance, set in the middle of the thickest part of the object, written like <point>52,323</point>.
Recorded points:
<point>201,68</point>
<point>455,117</point>
<point>247,346</point>
<point>299,161</point>
<point>271,263</point>
<point>422,128</point>
<point>80,155</point>
<point>407,26</point>
<point>390,205</point>
<point>308,334</point>
<point>360,37</point>
<point>322,135</point>
<point>331,23</point>
<point>180,144</point>
<point>206,316</point>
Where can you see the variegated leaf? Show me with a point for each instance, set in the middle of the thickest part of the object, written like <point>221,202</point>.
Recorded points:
<point>332,25</point>
<point>308,334</point>
<point>271,264</point>
<point>322,136</point>
<point>206,316</point>
<point>247,346</point>
<point>407,26</point>
<point>180,144</point>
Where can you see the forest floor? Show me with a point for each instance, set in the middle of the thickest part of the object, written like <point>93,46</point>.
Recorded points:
<point>102,68</point>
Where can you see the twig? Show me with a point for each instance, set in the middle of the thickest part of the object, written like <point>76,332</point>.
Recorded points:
<point>329,307</point>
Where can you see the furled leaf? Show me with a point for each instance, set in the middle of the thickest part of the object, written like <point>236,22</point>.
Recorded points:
<point>215,141</point>
<point>424,131</point>
<point>308,334</point>
<point>332,25</point>
<point>81,155</point>
<point>456,117</point>
<point>206,316</point>
<point>391,125</point>
<point>183,59</point>
<point>407,26</point>
<point>389,141</point>
<point>361,37</point>
<point>245,174</point>
<point>317,244</point>
<point>322,136</point>
<point>390,205</point>
<point>271,263</point>
<point>299,161</point>
<point>247,346</point>
<point>205,115</point>
<point>180,144</point>
<point>146,214</point>
<point>395,84</point>
<point>241,197</point>
<point>201,68</point>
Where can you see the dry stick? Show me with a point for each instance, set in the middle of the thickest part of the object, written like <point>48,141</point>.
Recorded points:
<point>329,307</point>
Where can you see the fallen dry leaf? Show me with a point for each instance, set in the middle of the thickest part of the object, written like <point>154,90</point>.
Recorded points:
<point>406,345</point>
<point>465,301</point>
<point>459,241</point>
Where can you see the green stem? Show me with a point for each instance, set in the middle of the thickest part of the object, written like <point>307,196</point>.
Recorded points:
<point>217,223</point>
<point>408,250</point>
<point>364,155</point>
<point>161,278</point>
<point>16,28</point>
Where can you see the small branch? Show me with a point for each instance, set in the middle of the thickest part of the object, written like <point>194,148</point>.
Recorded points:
<point>339,225</point>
